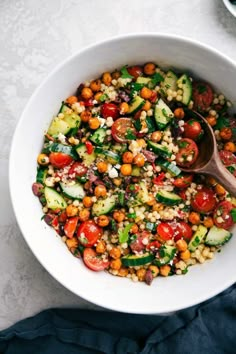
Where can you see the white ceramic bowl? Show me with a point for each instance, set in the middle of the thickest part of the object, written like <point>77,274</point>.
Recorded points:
<point>230,7</point>
<point>165,294</point>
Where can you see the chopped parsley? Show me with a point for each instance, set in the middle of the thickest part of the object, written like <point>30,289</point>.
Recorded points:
<point>156,79</point>
<point>183,144</point>
<point>103,97</point>
<point>201,89</point>
<point>125,74</point>
<point>130,135</point>
<point>233,214</point>
<point>222,122</point>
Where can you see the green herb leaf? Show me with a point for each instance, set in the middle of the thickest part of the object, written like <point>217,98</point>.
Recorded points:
<point>156,79</point>
<point>124,234</point>
<point>130,135</point>
<point>42,217</point>
<point>185,270</point>
<point>125,74</point>
<point>201,88</point>
<point>103,97</point>
<point>233,214</point>
<point>183,144</point>
<point>221,123</point>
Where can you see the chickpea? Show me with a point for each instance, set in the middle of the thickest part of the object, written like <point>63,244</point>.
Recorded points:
<point>156,136</point>
<point>147,105</point>
<point>226,133</point>
<point>95,85</point>
<point>103,221</point>
<point>208,222</point>
<point>72,242</point>
<point>94,123</point>
<point>101,247</point>
<point>181,245</point>
<point>141,143</point>
<point>127,157</point>
<point>85,116</point>
<point>165,270</point>
<point>211,120</point>
<point>106,78</point>
<point>100,191</point>
<point>115,264</point>
<point>71,210</point>
<point>43,159</point>
<point>102,166</point>
<point>117,181</point>
<point>158,207</point>
<point>154,269</point>
<point>115,75</point>
<point>86,93</point>
<point>134,229</point>
<point>230,146</point>
<point>119,216</point>
<point>71,100</point>
<point>87,185</point>
<point>126,169</point>
<point>84,215</point>
<point>151,201</point>
<point>146,93</point>
<point>139,160</point>
<point>115,253</point>
<point>211,181</point>
<point>149,69</point>
<point>124,108</point>
<point>179,113</point>
<point>97,96</point>
<point>194,218</point>
<point>141,274</point>
<point>123,272</point>
<point>219,189</point>
<point>185,255</point>
<point>87,201</point>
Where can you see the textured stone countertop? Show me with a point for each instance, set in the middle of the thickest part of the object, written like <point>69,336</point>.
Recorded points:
<point>35,36</point>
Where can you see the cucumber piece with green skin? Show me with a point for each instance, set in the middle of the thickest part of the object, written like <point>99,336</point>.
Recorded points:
<point>64,108</point>
<point>72,119</point>
<point>197,238</point>
<point>88,159</point>
<point>41,175</point>
<point>143,80</point>
<point>54,199</point>
<point>57,147</point>
<point>104,206</point>
<point>136,104</point>
<point>173,169</point>
<point>163,114</point>
<point>110,156</point>
<point>151,226</point>
<point>98,136</point>
<point>75,191</point>
<point>217,236</point>
<point>159,149</point>
<point>58,126</point>
<point>119,148</point>
<point>166,254</point>
<point>170,82</point>
<point>137,260</point>
<point>185,84</point>
<point>168,198</point>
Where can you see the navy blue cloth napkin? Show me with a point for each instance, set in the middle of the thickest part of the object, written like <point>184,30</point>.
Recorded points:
<point>209,328</point>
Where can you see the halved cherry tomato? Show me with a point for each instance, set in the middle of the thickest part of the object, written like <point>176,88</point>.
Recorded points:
<point>187,148</point>
<point>183,181</point>
<point>88,103</point>
<point>94,261</point>
<point>223,210</point>
<point>89,147</point>
<point>70,226</point>
<point>182,194</point>
<point>59,159</point>
<point>138,245</point>
<point>62,217</point>
<point>153,246</point>
<point>78,169</point>
<point>120,128</point>
<point>204,200</point>
<point>88,233</point>
<point>227,157</point>
<point>202,95</point>
<point>135,71</point>
<point>159,179</point>
<point>193,129</point>
<point>153,97</point>
<point>110,110</point>
<point>183,230</point>
<point>165,231</point>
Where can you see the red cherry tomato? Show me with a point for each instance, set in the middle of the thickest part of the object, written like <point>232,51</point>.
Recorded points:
<point>192,129</point>
<point>222,217</point>
<point>138,245</point>
<point>153,246</point>
<point>165,231</point>
<point>183,230</point>
<point>93,261</point>
<point>88,233</point>
<point>227,157</point>
<point>188,152</point>
<point>204,200</point>
<point>110,110</point>
<point>159,179</point>
<point>202,95</point>
<point>89,147</point>
<point>59,159</point>
<point>182,194</point>
<point>135,71</point>
<point>153,97</point>
<point>62,217</point>
<point>70,226</point>
<point>120,128</point>
<point>183,181</point>
<point>78,169</point>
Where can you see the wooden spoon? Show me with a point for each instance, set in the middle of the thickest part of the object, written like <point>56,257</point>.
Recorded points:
<point>208,161</point>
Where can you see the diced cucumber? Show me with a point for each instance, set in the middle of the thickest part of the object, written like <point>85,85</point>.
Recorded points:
<point>143,80</point>
<point>58,126</point>
<point>136,171</point>
<point>110,156</point>
<point>217,236</point>
<point>151,226</point>
<point>170,82</point>
<point>41,175</point>
<point>54,199</point>
<point>159,149</point>
<point>168,198</point>
<point>72,119</point>
<point>98,136</point>
<point>185,84</point>
<point>136,104</point>
<point>143,194</point>
<point>65,149</point>
<point>166,254</point>
<point>121,198</point>
<point>88,159</point>
<point>163,114</point>
<point>197,238</point>
<point>169,166</point>
<point>119,148</point>
<point>104,206</point>
<point>137,260</point>
<point>75,191</point>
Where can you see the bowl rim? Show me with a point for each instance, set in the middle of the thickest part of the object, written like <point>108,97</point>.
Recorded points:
<point>223,285</point>
<point>230,7</point>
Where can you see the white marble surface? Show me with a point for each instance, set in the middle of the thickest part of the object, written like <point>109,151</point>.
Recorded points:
<point>34,37</point>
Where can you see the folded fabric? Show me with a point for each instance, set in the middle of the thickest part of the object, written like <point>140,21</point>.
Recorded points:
<point>209,328</point>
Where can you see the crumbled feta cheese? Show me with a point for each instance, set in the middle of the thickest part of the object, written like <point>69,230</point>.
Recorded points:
<point>112,173</point>
<point>102,121</point>
<point>109,121</point>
